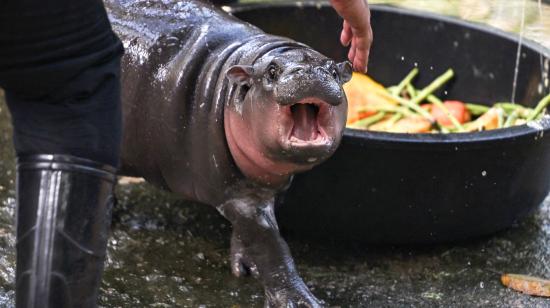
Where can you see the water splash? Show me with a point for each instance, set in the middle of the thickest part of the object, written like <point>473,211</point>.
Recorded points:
<point>520,43</point>
<point>542,68</point>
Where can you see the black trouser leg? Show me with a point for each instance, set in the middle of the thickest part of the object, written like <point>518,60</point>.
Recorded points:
<point>63,220</point>
<point>60,69</point>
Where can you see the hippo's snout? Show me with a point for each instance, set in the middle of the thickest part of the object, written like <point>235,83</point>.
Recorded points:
<point>301,82</point>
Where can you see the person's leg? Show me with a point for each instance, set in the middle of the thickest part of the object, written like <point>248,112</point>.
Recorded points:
<point>59,67</point>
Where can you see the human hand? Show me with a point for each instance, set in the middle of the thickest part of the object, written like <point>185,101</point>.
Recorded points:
<point>356,30</point>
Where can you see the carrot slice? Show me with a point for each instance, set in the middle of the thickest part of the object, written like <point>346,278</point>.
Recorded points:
<point>456,108</point>
<point>489,120</point>
<point>411,125</point>
<point>527,284</point>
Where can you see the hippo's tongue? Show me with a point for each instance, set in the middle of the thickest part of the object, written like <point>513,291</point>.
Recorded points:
<point>305,121</point>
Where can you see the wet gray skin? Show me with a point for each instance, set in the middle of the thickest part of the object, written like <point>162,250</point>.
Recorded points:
<point>220,113</point>
<point>166,252</point>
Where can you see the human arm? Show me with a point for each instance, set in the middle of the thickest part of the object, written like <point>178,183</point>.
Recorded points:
<point>356,30</point>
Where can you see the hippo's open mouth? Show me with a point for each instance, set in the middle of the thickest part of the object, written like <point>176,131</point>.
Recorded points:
<point>307,119</point>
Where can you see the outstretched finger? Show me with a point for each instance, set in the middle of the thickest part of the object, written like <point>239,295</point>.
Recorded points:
<point>361,58</point>
<point>346,35</point>
<point>351,52</point>
<point>362,51</point>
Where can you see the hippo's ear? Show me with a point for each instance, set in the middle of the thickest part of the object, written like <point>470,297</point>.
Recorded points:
<point>345,70</point>
<point>240,74</point>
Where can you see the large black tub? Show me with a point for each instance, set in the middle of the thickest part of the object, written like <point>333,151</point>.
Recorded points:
<point>399,188</point>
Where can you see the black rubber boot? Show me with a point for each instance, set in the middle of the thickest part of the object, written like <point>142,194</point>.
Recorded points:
<point>63,218</point>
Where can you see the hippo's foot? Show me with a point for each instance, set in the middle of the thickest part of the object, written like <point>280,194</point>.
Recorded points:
<point>241,263</point>
<point>298,296</point>
<point>282,289</point>
<point>257,249</point>
<point>271,263</point>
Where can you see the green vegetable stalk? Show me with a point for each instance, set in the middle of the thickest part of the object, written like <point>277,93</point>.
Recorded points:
<point>436,84</point>
<point>411,90</point>
<point>511,118</point>
<point>396,117</point>
<point>407,80</point>
<point>366,122</point>
<point>476,109</point>
<point>414,107</point>
<point>509,108</point>
<point>392,109</point>
<point>434,100</point>
<point>500,114</point>
<point>540,107</point>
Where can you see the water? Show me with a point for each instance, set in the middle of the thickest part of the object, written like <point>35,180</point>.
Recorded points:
<point>518,55</point>
<point>544,71</point>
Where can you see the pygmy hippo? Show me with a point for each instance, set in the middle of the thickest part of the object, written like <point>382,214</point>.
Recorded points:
<point>219,112</point>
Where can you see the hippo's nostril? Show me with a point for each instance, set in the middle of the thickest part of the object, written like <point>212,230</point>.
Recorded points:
<point>296,70</point>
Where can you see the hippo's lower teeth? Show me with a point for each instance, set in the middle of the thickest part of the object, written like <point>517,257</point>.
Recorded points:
<point>305,122</point>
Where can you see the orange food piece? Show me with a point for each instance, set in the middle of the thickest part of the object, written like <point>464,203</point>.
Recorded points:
<point>364,113</point>
<point>527,284</point>
<point>364,96</point>
<point>382,125</point>
<point>456,108</point>
<point>414,124</point>
<point>487,121</point>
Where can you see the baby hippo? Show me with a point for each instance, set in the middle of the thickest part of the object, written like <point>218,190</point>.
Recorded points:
<point>219,112</point>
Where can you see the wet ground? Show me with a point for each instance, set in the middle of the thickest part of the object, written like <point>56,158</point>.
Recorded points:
<point>165,252</point>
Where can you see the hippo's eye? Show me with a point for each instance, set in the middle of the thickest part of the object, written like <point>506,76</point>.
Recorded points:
<point>335,74</point>
<point>272,72</point>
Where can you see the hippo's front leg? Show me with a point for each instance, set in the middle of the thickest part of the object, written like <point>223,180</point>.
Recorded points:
<point>258,249</point>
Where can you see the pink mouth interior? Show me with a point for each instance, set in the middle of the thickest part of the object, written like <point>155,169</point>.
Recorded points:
<point>306,126</point>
